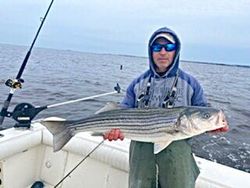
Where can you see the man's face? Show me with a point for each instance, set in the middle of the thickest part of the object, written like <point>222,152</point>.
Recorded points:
<point>163,59</point>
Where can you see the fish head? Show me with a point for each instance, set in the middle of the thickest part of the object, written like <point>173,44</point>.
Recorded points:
<point>197,120</point>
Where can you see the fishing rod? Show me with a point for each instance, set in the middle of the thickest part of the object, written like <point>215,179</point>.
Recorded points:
<point>24,113</point>
<point>73,169</point>
<point>118,89</point>
<point>17,82</point>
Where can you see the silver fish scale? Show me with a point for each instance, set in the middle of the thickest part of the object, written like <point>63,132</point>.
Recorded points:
<point>136,114</point>
<point>126,123</point>
<point>138,121</point>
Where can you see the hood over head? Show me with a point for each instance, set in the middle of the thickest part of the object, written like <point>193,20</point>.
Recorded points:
<point>171,37</point>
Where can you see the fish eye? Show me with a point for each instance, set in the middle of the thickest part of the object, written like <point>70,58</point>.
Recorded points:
<point>206,115</point>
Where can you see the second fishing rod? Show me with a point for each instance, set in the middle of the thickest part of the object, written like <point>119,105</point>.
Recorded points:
<point>17,82</point>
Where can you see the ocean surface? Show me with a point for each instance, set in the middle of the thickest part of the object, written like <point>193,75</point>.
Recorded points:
<point>54,76</point>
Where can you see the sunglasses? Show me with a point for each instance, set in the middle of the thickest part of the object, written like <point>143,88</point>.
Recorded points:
<point>168,47</point>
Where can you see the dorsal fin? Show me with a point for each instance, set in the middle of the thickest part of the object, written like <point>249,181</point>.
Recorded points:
<point>108,107</point>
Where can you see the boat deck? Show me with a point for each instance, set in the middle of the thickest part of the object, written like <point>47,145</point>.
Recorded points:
<point>27,156</point>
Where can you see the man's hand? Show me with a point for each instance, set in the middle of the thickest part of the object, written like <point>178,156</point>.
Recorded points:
<point>114,134</point>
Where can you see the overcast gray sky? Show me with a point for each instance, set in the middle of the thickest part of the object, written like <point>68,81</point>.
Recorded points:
<point>210,30</point>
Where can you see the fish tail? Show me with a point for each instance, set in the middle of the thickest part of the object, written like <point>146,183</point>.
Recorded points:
<point>61,133</point>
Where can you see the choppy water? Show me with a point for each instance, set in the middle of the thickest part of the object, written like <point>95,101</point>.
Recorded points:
<point>54,76</point>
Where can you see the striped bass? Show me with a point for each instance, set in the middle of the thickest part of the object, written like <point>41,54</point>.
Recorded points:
<point>157,125</point>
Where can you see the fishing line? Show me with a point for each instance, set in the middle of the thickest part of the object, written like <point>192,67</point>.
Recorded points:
<point>79,164</point>
<point>17,82</point>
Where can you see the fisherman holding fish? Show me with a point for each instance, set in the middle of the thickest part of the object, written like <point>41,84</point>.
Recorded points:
<point>161,109</point>
<point>163,85</point>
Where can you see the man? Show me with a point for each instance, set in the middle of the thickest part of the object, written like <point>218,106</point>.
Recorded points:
<point>163,85</point>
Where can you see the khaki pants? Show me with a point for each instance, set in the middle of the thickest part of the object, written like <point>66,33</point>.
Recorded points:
<point>174,167</point>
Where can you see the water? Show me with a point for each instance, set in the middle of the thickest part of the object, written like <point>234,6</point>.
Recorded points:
<point>54,76</point>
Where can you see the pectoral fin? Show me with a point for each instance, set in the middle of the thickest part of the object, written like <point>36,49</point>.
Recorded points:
<point>159,146</point>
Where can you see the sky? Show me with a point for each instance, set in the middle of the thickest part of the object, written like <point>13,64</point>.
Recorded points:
<point>210,30</point>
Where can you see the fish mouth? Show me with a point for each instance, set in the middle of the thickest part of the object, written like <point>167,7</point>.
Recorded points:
<point>222,121</point>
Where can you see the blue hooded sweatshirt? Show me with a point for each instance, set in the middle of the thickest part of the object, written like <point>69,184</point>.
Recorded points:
<point>188,93</point>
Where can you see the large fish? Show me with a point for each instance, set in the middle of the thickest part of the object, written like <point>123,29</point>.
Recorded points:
<point>157,125</point>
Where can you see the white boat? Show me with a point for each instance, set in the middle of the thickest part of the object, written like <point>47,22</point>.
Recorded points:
<point>26,156</point>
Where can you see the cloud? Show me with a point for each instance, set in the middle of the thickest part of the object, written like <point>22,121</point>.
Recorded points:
<point>125,25</point>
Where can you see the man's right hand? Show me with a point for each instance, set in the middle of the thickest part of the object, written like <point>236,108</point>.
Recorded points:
<point>114,134</point>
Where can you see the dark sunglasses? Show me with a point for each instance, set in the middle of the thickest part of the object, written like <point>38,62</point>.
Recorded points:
<point>168,47</point>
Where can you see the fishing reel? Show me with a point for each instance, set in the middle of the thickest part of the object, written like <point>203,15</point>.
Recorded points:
<point>14,83</point>
<point>23,114</point>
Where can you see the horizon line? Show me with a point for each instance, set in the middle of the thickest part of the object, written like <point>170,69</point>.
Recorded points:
<point>130,55</point>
